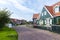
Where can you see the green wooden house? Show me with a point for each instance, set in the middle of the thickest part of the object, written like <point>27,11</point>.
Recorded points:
<point>50,15</point>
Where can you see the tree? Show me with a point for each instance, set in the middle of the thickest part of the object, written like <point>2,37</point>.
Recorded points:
<point>4,17</point>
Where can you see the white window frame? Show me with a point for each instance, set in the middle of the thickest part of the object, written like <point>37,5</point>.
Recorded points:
<point>45,12</point>
<point>45,21</point>
<point>56,9</point>
<point>50,21</point>
<point>42,14</point>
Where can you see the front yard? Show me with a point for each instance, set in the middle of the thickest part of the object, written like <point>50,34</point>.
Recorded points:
<point>8,34</point>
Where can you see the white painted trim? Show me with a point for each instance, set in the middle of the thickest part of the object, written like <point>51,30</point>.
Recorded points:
<point>48,12</point>
<point>50,21</point>
<point>45,12</point>
<point>54,8</point>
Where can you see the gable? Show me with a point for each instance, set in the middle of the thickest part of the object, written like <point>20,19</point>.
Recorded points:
<point>44,16</point>
<point>52,11</point>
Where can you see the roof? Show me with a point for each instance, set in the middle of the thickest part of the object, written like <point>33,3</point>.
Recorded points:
<point>58,3</point>
<point>36,15</point>
<point>14,20</point>
<point>51,9</point>
<point>57,14</point>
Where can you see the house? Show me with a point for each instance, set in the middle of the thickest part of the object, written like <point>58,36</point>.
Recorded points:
<point>50,15</point>
<point>36,19</point>
<point>23,21</point>
<point>15,21</point>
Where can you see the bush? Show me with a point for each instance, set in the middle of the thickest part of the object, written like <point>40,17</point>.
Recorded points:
<point>4,17</point>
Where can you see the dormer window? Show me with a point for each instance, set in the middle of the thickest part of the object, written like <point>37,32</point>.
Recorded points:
<point>57,9</point>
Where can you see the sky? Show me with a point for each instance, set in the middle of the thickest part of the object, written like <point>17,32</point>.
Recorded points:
<point>24,9</point>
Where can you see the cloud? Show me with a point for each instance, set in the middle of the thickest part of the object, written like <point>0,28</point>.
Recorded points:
<point>3,2</point>
<point>21,7</point>
<point>16,16</point>
<point>21,11</point>
<point>24,11</point>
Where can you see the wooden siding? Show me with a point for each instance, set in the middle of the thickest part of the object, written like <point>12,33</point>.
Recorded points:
<point>44,17</point>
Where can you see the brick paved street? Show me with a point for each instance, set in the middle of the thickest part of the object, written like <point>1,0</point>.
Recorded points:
<point>25,33</point>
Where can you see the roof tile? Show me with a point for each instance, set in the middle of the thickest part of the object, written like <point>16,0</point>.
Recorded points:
<point>51,9</point>
<point>36,15</point>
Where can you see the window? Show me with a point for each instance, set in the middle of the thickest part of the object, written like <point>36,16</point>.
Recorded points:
<point>44,12</point>
<point>50,21</point>
<point>41,22</point>
<point>45,21</point>
<point>57,9</point>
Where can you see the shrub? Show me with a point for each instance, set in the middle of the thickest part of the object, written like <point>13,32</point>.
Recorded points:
<point>4,17</point>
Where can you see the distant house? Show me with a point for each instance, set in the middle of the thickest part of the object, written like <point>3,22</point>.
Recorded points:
<point>36,19</point>
<point>23,21</point>
<point>50,15</point>
<point>15,21</point>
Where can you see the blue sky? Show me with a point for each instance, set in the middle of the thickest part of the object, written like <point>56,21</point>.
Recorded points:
<point>24,9</point>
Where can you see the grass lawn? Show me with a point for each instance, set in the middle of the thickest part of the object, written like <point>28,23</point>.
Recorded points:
<point>8,34</point>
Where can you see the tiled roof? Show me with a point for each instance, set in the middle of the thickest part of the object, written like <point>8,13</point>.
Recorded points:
<point>51,9</point>
<point>36,15</point>
<point>57,14</point>
<point>58,3</point>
